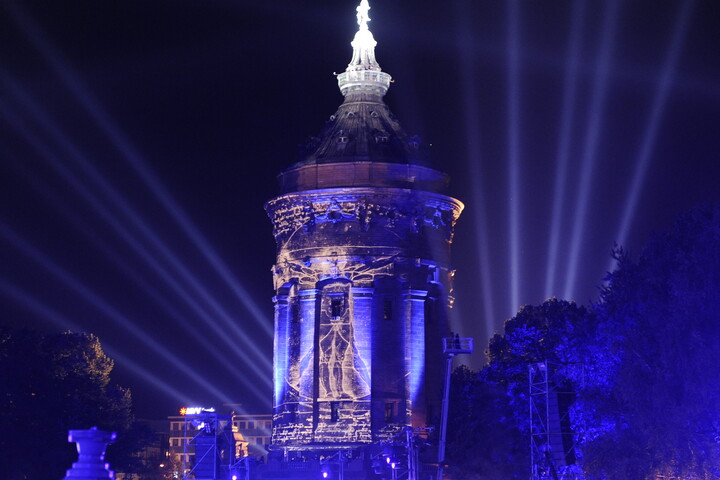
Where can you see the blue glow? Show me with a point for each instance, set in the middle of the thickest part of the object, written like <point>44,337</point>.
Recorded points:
<point>82,93</point>
<point>93,201</point>
<point>281,348</point>
<point>111,255</point>
<point>471,112</point>
<point>39,308</point>
<point>513,99</point>
<point>656,114</point>
<point>564,136</point>
<point>110,312</point>
<point>592,134</point>
<point>415,343</point>
<point>119,203</point>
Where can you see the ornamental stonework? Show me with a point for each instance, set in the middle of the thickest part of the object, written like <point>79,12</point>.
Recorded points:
<point>363,210</point>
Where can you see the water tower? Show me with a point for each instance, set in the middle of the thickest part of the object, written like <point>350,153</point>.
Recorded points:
<point>363,281</point>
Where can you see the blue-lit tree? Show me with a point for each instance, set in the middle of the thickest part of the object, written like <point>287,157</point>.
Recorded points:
<point>655,411</point>
<point>642,363</point>
<point>490,424</point>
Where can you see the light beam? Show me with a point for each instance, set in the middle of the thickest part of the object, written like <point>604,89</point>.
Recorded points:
<point>80,91</point>
<point>465,42</point>
<point>564,136</point>
<point>37,307</point>
<point>513,100</point>
<point>110,312</point>
<point>150,259</point>
<point>592,134</point>
<point>656,114</point>
<point>111,255</point>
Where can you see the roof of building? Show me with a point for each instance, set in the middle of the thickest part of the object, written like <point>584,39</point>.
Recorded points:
<point>362,131</point>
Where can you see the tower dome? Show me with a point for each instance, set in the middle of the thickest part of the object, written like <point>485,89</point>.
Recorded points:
<point>363,144</point>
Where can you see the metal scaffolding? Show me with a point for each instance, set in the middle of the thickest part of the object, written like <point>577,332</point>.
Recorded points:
<point>206,438</point>
<point>552,445</point>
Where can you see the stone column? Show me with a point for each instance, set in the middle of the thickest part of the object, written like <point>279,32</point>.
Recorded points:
<point>362,300</point>
<point>281,349</point>
<point>414,316</point>
<point>306,362</point>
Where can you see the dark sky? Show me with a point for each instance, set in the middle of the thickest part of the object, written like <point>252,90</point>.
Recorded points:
<point>139,140</point>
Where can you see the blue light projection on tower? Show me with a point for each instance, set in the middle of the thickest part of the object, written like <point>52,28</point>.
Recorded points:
<point>363,276</point>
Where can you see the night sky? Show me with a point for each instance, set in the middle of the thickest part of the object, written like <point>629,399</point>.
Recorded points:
<point>139,140</point>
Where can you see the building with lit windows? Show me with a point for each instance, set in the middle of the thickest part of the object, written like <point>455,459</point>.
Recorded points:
<point>250,436</point>
<point>362,277</point>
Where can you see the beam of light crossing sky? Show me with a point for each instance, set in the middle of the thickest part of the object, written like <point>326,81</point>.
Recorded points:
<point>513,101</point>
<point>656,114</point>
<point>465,45</point>
<point>150,259</point>
<point>570,86</point>
<point>110,312</point>
<point>121,205</point>
<point>110,254</point>
<point>590,149</point>
<point>106,189</point>
<point>37,307</point>
<point>123,145</point>
<point>42,310</point>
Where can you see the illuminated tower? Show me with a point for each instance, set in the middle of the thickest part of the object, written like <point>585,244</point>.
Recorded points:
<point>362,277</point>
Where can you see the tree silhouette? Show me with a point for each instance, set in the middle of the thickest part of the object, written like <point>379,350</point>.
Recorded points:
<point>48,385</point>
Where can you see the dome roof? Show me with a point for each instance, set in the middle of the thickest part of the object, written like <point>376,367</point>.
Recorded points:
<point>363,129</point>
<point>363,134</point>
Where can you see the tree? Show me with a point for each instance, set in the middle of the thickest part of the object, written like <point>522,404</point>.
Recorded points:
<point>489,423</point>
<point>658,411</point>
<point>49,385</point>
<point>482,443</point>
<point>643,363</point>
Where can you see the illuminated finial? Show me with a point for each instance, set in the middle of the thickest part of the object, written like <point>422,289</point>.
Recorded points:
<point>363,72</point>
<point>362,14</point>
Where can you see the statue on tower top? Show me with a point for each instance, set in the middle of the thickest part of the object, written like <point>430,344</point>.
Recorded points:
<point>362,14</point>
<point>363,44</point>
<point>363,72</point>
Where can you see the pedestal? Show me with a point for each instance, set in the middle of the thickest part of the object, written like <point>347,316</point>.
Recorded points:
<point>91,445</point>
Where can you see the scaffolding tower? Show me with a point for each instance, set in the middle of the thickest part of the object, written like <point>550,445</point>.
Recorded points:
<point>552,445</point>
<point>211,440</point>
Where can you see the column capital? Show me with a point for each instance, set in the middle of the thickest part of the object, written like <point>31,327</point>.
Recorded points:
<point>278,299</point>
<point>362,291</point>
<point>411,294</point>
